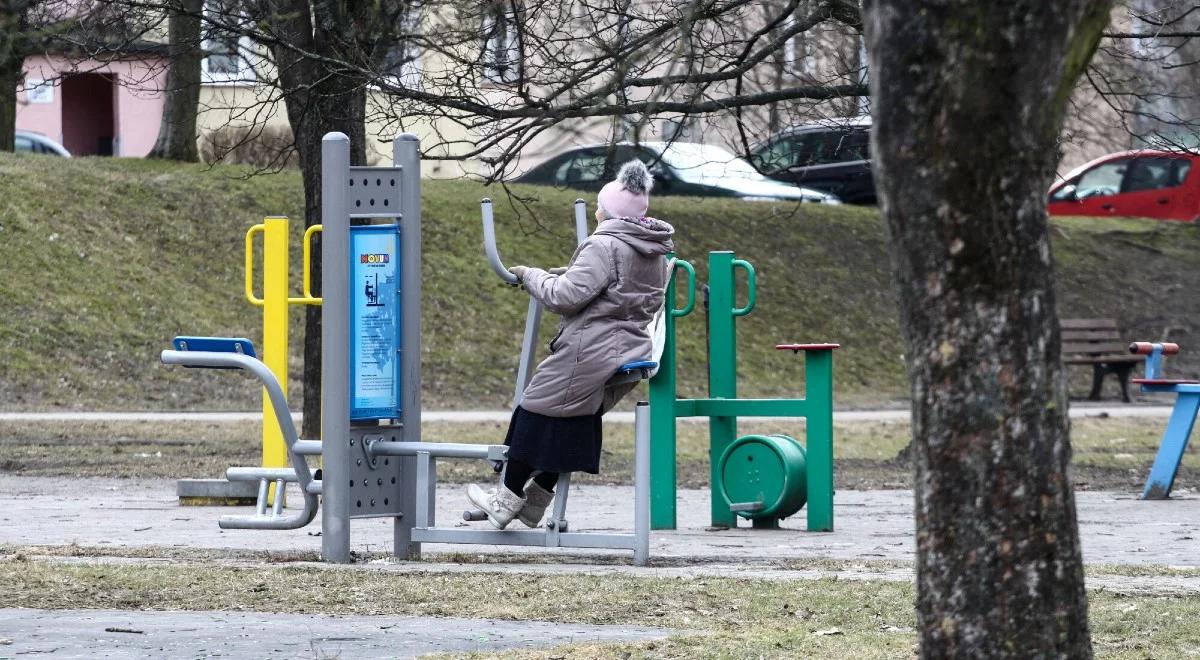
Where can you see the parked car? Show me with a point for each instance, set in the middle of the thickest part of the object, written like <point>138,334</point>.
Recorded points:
<point>36,143</point>
<point>679,168</point>
<point>1164,185</point>
<point>832,156</point>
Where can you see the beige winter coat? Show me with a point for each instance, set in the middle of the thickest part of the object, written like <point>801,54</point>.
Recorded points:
<point>611,290</point>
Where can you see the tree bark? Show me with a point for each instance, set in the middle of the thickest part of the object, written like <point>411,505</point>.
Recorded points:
<point>319,100</point>
<point>968,98</point>
<point>10,80</point>
<point>12,63</point>
<point>181,102</point>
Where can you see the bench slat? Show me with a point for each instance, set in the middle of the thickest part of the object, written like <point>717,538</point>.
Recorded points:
<point>1091,336</point>
<point>1095,347</point>
<point>1101,359</point>
<point>1088,324</point>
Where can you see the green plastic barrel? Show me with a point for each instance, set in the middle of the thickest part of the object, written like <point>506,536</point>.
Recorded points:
<point>763,476</point>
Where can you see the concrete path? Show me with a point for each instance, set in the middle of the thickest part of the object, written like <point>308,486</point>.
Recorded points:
<point>1078,410</point>
<point>120,634</point>
<point>1117,528</point>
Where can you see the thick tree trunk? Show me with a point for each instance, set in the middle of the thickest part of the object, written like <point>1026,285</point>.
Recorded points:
<point>968,98</point>
<point>10,79</point>
<point>318,102</point>
<point>181,103</point>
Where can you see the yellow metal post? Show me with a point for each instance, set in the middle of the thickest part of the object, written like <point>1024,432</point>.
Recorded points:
<point>275,332</point>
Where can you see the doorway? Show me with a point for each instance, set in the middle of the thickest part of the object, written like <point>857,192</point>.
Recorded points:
<point>88,113</point>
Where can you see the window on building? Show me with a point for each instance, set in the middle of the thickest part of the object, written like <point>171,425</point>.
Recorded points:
<point>403,60</point>
<point>502,43</point>
<point>227,52</point>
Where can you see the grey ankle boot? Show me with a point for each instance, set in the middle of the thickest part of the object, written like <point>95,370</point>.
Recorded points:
<point>536,501</point>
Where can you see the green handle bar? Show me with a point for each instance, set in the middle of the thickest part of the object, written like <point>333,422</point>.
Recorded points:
<point>751,287</point>
<point>691,287</point>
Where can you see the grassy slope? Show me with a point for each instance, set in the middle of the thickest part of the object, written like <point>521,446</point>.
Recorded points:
<point>103,260</point>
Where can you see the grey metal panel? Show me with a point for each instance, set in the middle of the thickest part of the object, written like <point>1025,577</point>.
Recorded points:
<point>335,333</point>
<point>375,484</point>
<point>373,192</point>
<point>407,156</point>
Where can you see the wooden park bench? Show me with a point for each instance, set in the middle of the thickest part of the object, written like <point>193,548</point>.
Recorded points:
<point>1098,343</point>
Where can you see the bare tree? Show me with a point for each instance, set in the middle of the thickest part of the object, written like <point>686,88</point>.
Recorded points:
<point>177,129</point>
<point>963,169</point>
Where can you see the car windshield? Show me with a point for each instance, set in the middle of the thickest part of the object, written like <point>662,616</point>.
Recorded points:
<point>701,162</point>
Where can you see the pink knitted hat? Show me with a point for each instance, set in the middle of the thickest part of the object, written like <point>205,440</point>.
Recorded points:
<point>629,195</point>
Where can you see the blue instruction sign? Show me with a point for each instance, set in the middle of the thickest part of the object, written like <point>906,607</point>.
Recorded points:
<point>375,376</point>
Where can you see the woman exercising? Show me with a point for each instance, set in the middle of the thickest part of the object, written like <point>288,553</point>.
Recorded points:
<point>606,296</point>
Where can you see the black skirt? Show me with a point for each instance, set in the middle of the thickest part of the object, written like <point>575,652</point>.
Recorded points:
<point>555,444</point>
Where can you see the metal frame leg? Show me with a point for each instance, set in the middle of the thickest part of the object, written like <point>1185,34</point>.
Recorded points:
<point>1170,450</point>
<point>558,514</point>
<point>641,484</point>
<point>406,548</point>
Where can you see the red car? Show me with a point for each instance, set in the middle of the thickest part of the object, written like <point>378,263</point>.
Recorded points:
<point>1150,184</point>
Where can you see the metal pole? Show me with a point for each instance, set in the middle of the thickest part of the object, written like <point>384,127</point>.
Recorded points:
<point>335,337</point>
<point>662,421</point>
<point>722,373</point>
<point>406,154</point>
<point>581,222</point>
<point>818,394</point>
<point>641,483</point>
<point>275,336</point>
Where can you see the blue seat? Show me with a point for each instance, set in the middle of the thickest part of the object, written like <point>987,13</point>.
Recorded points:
<point>631,372</point>
<point>630,367</point>
<point>215,345</point>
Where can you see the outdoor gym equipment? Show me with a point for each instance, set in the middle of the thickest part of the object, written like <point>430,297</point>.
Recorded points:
<point>274,302</point>
<point>1179,426</point>
<point>762,478</point>
<point>375,462</point>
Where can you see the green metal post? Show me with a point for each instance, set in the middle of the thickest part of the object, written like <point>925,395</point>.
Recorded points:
<point>818,393</point>
<point>722,374</point>
<point>662,409</point>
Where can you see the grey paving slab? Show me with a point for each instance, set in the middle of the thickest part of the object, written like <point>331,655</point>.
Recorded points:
<point>1078,409</point>
<point>1117,528</point>
<point>135,634</point>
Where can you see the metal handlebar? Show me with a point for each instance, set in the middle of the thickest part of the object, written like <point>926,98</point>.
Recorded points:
<point>751,287</point>
<point>675,264</point>
<point>249,276</point>
<point>581,223</point>
<point>489,242</point>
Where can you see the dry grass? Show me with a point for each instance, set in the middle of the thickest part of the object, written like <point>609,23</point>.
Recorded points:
<point>713,617</point>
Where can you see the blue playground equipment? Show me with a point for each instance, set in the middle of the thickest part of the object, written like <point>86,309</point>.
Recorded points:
<point>1179,426</point>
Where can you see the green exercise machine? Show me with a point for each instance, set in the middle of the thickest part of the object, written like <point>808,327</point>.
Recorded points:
<point>763,478</point>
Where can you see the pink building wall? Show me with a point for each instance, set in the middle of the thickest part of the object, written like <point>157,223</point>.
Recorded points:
<point>137,99</point>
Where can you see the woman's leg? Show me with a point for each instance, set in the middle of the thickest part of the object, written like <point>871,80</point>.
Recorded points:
<point>546,480</point>
<point>516,475</point>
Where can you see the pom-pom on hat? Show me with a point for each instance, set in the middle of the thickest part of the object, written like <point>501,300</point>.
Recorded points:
<point>629,195</point>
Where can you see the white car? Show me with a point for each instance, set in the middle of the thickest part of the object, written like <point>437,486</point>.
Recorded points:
<point>679,168</point>
<point>36,143</point>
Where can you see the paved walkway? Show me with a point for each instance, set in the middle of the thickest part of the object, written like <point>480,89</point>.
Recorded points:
<point>1117,528</point>
<point>895,415</point>
<point>120,634</point>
